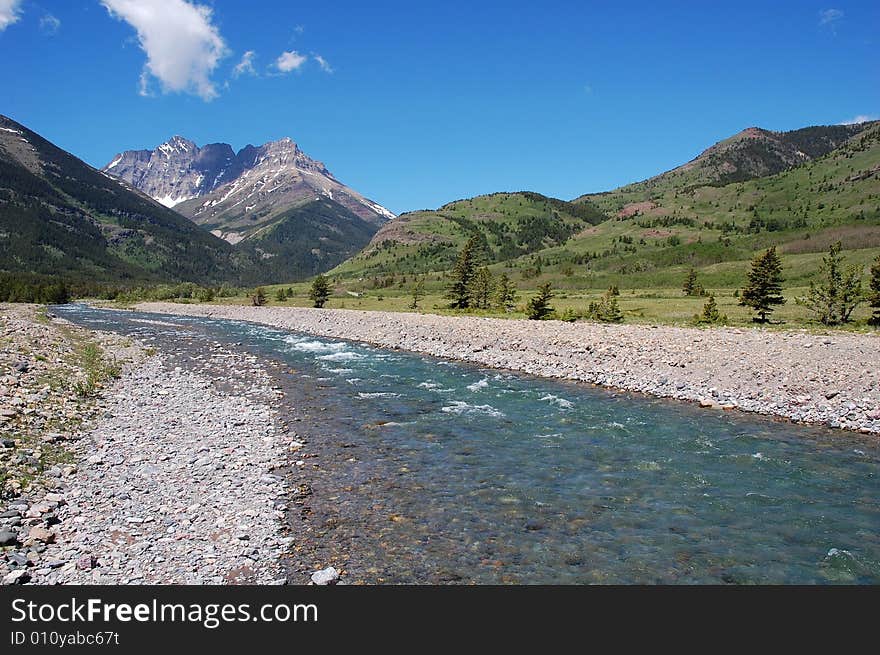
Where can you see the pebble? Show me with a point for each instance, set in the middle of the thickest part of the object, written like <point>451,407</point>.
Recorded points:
<point>167,488</point>
<point>326,576</point>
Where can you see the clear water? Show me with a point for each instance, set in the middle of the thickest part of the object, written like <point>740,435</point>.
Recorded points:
<point>435,471</point>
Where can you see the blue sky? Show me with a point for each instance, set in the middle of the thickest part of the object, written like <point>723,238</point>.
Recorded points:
<point>418,103</point>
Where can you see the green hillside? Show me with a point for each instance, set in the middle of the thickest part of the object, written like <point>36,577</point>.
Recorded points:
<point>508,225</point>
<point>307,239</point>
<point>63,218</point>
<point>647,235</point>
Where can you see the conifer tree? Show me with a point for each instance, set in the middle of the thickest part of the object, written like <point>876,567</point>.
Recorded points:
<point>711,315</point>
<point>691,287</point>
<point>320,291</point>
<point>459,290</point>
<point>258,299</point>
<point>481,289</point>
<point>280,296</point>
<point>505,293</point>
<point>838,292</point>
<point>765,285</point>
<point>418,293</point>
<point>538,307</point>
<point>874,295</point>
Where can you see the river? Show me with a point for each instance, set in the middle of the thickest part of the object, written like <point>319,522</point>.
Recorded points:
<point>433,471</point>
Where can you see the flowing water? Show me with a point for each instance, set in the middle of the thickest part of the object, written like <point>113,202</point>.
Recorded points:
<point>428,470</point>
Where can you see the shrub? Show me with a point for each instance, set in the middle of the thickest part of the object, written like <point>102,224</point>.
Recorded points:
<point>606,310</point>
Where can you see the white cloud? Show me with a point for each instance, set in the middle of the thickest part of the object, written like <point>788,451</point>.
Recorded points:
<point>183,47</point>
<point>828,19</point>
<point>50,24</point>
<point>324,64</point>
<point>861,118</point>
<point>290,61</point>
<point>246,65</point>
<point>10,12</point>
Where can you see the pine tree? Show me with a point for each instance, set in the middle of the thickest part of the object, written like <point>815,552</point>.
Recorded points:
<point>459,290</point>
<point>505,293</point>
<point>481,289</point>
<point>539,307</point>
<point>320,291</point>
<point>690,283</point>
<point>280,295</point>
<point>838,292</point>
<point>874,295</point>
<point>765,285</point>
<point>710,315</point>
<point>418,293</point>
<point>258,299</point>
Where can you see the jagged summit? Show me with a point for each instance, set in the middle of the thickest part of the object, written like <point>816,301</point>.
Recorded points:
<point>218,187</point>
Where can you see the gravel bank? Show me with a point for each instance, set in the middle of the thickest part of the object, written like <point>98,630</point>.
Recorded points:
<point>831,379</point>
<point>173,477</point>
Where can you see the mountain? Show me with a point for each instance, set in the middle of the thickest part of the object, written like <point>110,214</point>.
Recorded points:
<point>236,195</point>
<point>646,234</point>
<point>177,170</point>
<point>307,239</point>
<point>271,201</point>
<point>60,216</point>
<point>749,154</point>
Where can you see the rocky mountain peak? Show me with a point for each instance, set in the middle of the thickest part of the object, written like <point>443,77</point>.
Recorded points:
<point>254,182</point>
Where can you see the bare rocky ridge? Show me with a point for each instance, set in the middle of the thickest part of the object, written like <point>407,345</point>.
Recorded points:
<point>831,379</point>
<point>236,195</point>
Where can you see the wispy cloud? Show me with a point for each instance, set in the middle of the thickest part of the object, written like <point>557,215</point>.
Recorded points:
<point>246,65</point>
<point>323,63</point>
<point>861,118</point>
<point>290,61</point>
<point>182,45</point>
<point>828,18</point>
<point>50,24</point>
<point>10,12</point>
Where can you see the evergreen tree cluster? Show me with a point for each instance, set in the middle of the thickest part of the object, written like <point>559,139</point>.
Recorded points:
<point>472,285</point>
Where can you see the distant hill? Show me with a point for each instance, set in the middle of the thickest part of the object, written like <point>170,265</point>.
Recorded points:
<point>748,155</point>
<point>60,216</point>
<point>508,225</point>
<point>797,190</point>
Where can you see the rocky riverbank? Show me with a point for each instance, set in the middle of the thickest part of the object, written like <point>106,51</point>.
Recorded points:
<point>168,474</point>
<point>831,379</point>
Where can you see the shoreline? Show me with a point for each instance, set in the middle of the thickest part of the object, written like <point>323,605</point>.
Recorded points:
<point>176,474</point>
<point>831,380</point>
